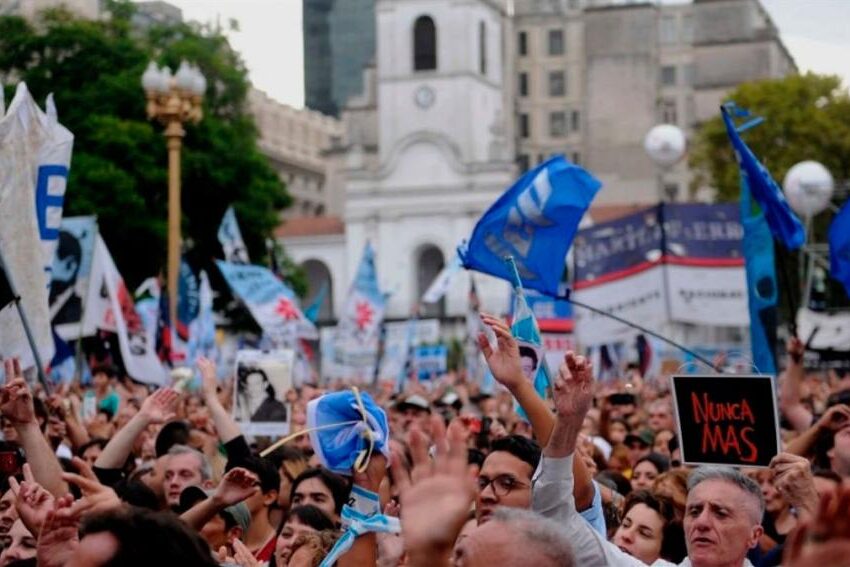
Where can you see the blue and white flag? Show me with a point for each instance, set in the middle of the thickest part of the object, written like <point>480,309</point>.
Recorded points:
<point>525,330</point>
<point>188,300</point>
<point>54,162</point>
<point>314,309</point>
<point>272,304</point>
<point>63,366</point>
<point>359,329</point>
<point>202,330</point>
<point>442,282</point>
<point>230,238</point>
<point>783,223</point>
<point>839,247</point>
<point>535,222</point>
<point>22,137</point>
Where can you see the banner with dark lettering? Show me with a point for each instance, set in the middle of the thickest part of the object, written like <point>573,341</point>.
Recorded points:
<point>667,263</point>
<point>727,419</point>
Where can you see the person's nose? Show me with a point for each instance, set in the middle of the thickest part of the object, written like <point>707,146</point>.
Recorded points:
<point>703,521</point>
<point>628,535</point>
<point>488,494</point>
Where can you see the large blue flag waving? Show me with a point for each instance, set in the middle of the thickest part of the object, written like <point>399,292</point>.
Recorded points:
<point>839,247</point>
<point>535,222</point>
<point>783,223</point>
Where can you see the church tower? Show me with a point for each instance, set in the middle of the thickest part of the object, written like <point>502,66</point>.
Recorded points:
<point>444,154</point>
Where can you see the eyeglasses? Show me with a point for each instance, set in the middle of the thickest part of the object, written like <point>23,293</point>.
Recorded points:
<point>503,484</point>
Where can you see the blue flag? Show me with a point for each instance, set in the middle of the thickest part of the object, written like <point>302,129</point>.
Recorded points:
<point>525,330</point>
<point>535,222</point>
<point>762,289</point>
<point>839,247</point>
<point>313,310</point>
<point>783,223</point>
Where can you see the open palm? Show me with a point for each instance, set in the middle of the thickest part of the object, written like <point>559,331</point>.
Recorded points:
<point>503,361</point>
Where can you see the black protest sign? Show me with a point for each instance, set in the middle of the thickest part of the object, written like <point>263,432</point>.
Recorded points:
<point>727,419</point>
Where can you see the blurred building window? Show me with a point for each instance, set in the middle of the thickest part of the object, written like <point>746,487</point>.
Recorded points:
<point>522,43</point>
<point>668,32</point>
<point>556,42</point>
<point>668,75</point>
<point>557,83</point>
<point>424,44</point>
<point>557,124</point>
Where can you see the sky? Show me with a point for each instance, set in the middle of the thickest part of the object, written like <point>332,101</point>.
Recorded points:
<point>816,33</point>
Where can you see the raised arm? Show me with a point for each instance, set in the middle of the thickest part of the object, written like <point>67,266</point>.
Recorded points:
<point>157,408</point>
<point>504,364</point>
<point>789,394</point>
<point>16,405</point>
<point>225,426</point>
<point>553,481</point>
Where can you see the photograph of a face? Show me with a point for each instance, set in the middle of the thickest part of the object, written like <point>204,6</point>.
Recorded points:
<point>262,380</point>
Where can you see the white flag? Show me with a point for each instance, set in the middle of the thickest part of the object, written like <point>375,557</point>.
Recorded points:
<point>54,161</point>
<point>230,237</point>
<point>121,317</point>
<point>442,282</point>
<point>21,136</point>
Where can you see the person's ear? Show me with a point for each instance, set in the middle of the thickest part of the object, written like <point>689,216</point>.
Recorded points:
<point>208,484</point>
<point>270,497</point>
<point>234,533</point>
<point>755,536</point>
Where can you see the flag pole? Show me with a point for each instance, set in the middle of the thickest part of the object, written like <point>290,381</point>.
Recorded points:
<point>645,330</point>
<point>16,298</point>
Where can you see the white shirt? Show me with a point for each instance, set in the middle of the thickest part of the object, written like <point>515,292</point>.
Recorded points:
<point>552,497</point>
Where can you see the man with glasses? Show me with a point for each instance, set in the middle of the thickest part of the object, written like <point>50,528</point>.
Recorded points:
<point>505,477</point>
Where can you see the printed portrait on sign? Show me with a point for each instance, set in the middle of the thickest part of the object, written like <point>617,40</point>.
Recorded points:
<point>69,275</point>
<point>262,381</point>
<point>530,357</point>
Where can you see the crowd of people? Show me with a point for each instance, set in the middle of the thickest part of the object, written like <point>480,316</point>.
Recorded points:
<point>116,474</point>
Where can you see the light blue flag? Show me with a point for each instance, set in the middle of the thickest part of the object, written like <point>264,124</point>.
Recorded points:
<point>202,329</point>
<point>230,238</point>
<point>762,289</point>
<point>839,247</point>
<point>783,223</point>
<point>525,330</point>
<point>313,310</point>
<point>535,222</point>
<point>272,304</point>
<point>359,329</point>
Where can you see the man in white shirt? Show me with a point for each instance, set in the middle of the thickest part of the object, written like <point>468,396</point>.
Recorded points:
<point>723,511</point>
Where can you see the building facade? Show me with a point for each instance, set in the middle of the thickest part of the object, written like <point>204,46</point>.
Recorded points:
<point>30,8</point>
<point>339,41</point>
<point>426,154</point>
<point>594,77</point>
<point>294,141</point>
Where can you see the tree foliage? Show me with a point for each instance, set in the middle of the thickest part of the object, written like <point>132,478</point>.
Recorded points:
<point>805,119</point>
<point>119,166</point>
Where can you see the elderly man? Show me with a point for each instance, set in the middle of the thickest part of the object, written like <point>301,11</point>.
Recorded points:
<point>723,511</point>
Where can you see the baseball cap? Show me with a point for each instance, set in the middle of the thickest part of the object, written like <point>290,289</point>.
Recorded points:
<point>414,401</point>
<point>239,512</point>
<point>644,437</point>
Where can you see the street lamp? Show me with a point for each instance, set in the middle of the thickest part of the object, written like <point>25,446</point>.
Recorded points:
<point>173,100</point>
<point>665,145</point>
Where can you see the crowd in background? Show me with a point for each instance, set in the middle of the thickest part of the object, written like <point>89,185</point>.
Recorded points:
<point>115,473</point>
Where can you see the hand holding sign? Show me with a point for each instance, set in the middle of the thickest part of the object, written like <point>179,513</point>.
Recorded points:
<point>727,420</point>
<point>792,477</point>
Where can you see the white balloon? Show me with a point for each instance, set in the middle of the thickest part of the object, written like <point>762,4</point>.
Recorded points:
<point>808,187</point>
<point>665,144</point>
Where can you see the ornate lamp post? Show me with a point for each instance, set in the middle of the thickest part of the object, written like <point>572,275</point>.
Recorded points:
<point>173,100</point>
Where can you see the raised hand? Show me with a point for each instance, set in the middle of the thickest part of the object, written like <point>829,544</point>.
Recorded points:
<point>504,362</point>
<point>796,349</point>
<point>32,500</point>
<point>435,497</point>
<point>834,418</point>
<point>96,498</point>
<point>58,539</point>
<point>160,406</point>
<point>15,396</point>
<point>237,485</point>
<point>209,381</point>
<point>242,556</point>
<point>792,477</point>
<point>574,387</point>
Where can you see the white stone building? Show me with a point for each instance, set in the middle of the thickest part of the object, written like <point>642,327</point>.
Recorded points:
<point>426,153</point>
